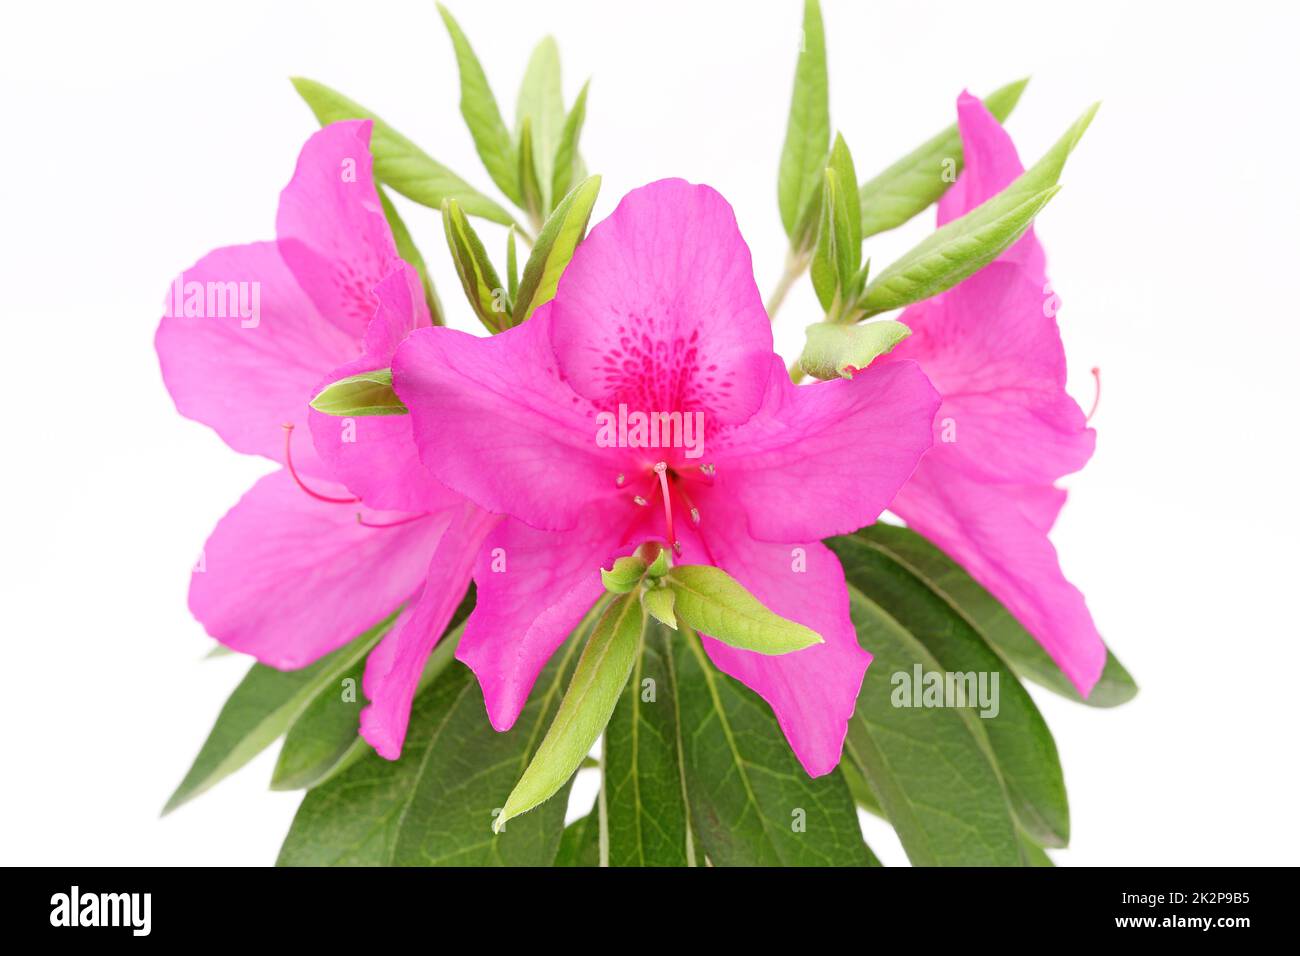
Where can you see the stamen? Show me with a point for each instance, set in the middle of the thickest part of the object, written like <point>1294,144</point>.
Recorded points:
<point>708,470</point>
<point>638,500</point>
<point>293,473</point>
<point>661,469</point>
<point>619,480</point>
<point>695,515</point>
<point>1096,400</point>
<point>390,524</point>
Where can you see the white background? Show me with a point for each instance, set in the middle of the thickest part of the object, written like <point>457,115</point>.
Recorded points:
<point>139,136</point>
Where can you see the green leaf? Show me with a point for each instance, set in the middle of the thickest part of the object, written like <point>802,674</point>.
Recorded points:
<point>482,116</point>
<point>808,130</point>
<point>658,603</point>
<point>624,576</point>
<point>966,245</point>
<point>1022,746</point>
<point>824,267</point>
<point>603,669</point>
<point>647,820</point>
<point>847,219</point>
<point>435,806</point>
<point>580,843</point>
<point>512,265</point>
<point>567,162</point>
<point>541,102</point>
<point>533,198</point>
<point>261,708</point>
<point>367,393</point>
<point>486,295</point>
<point>710,600</point>
<point>833,349</point>
<point>399,162</point>
<point>910,185</point>
<point>409,253</point>
<point>554,248</point>
<point>930,767</point>
<point>994,622</point>
<point>751,804</point>
<point>324,741</point>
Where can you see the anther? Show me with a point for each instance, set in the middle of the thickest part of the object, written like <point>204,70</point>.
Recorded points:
<point>293,473</point>
<point>638,500</point>
<point>695,515</point>
<point>708,470</point>
<point>619,480</point>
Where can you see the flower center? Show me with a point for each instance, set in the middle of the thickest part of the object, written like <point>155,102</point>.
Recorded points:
<point>665,481</point>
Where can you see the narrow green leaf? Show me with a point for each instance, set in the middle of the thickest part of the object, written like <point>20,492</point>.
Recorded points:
<point>824,267</point>
<point>367,393</point>
<point>512,265</point>
<point>541,102</point>
<point>658,603</point>
<point>836,350</point>
<point>435,806</point>
<point>847,220</point>
<point>751,804</point>
<point>930,767</point>
<point>647,820</point>
<point>554,248</point>
<point>533,199</point>
<point>710,600</point>
<point>966,245</point>
<point>910,185</point>
<point>399,162</point>
<point>407,250</point>
<point>567,162</point>
<point>482,116</point>
<point>1020,741</point>
<point>808,130</point>
<point>603,670</point>
<point>324,741</point>
<point>483,289</point>
<point>992,620</point>
<point>580,843</point>
<point>261,708</point>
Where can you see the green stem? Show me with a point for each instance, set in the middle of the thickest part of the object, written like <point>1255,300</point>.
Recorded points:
<point>795,264</point>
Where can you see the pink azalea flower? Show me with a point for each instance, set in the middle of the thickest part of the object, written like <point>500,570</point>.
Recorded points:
<point>1007,430</point>
<point>294,570</point>
<point>658,312</point>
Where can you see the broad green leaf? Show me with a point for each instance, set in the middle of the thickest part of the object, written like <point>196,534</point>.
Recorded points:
<point>992,620</point>
<point>838,254</point>
<point>602,671</point>
<point>834,349</point>
<point>435,806</point>
<point>407,250</point>
<point>554,248</point>
<point>487,296</point>
<point>808,130</point>
<point>658,603</point>
<point>580,843</point>
<point>261,708</point>
<point>910,185</point>
<point>1022,745</point>
<point>859,787</point>
<point>399,162</point>
<point>482,116</point>
<point>567,162</point>
<point>710,600</point>
<point>647,820</point>
<point>930,767</point>
<point>324,740</point>
<point>530,186</point>
<point>1034,854</point>
<point>751,803</point>
<point>367,393</point>
<point>624,575</point>
<point>824,267</point>
<point>541,101</point>
<point>964,246</point>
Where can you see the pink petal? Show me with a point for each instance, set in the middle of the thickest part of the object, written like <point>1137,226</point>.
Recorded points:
<point>394,667</point>
<point>533,588</point>
<point>659,309</point>
<point>990,164</point>
<point>824,459</point>
<point>494,422</point>
<point>288,578</point>
<point>331,228</point>
<point>375,455</point>
<point>995,354</point>
<point>813,691</point>
<point>996,533</point>
<point>248,377</point>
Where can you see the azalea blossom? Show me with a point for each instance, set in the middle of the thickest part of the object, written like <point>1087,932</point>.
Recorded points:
<point>353,525</point>
<point>1007,430</point>
<point>658,312</point>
